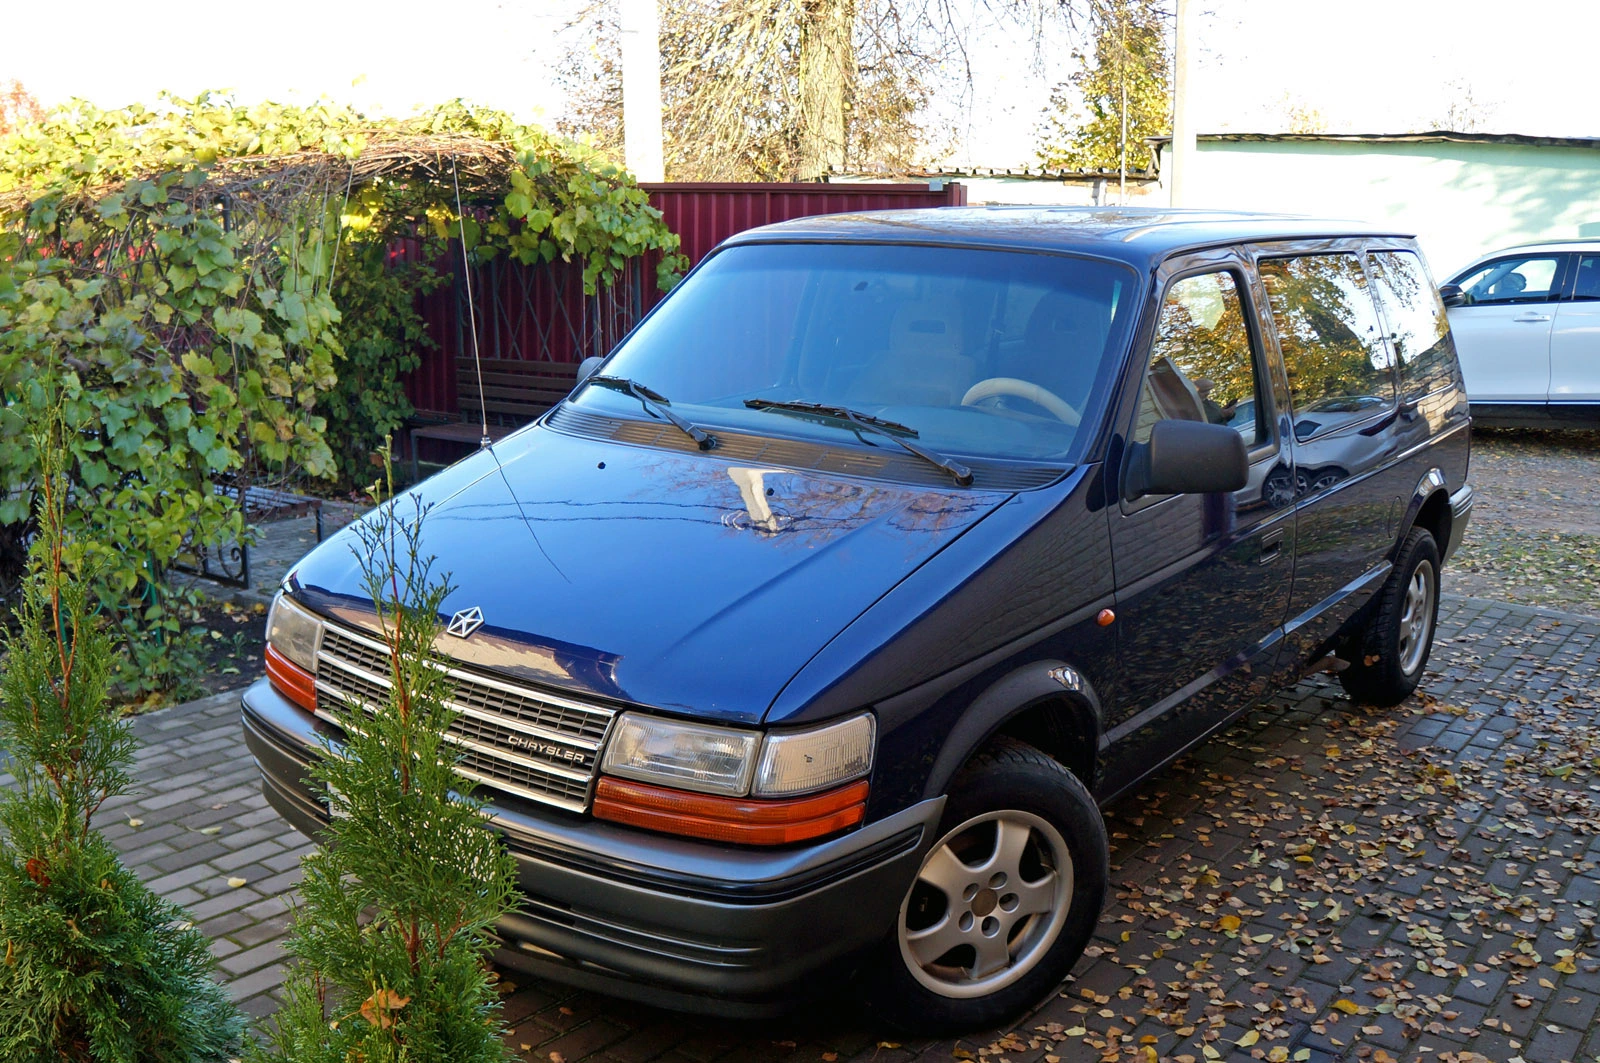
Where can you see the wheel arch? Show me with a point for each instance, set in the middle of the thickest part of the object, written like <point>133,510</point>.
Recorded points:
<point>1429,509</point>
<point>1048,704</point>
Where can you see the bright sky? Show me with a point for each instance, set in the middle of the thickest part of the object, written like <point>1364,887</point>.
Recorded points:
<point>1364,65</point>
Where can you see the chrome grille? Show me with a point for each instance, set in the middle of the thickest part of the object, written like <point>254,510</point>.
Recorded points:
<point>526,742</point>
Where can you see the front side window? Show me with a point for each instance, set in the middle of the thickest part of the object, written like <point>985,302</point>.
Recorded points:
<point>1418,328</point>
<point>1340,369</point>
<point>1520,279</point>
<point>977,352</point>
<point>1202,364</point>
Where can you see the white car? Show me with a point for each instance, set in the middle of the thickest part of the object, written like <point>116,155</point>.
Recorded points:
<point>1526,322</point>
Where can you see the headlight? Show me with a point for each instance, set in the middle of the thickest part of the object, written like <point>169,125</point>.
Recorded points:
<point>294,632</point>
<point>713,760</point>
<point>723,760</point>
<point>802,761</point>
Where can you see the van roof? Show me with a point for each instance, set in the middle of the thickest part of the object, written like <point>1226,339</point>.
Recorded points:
<point>1138,235</point>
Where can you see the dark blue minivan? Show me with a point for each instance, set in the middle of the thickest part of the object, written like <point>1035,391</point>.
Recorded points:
<point>808,636</point>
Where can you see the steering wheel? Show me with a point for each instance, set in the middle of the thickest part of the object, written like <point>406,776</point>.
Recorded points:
<point>1023,389</point>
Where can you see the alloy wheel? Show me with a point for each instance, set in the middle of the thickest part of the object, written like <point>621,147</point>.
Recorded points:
<point>987,905</point>
<point>1416,617</point>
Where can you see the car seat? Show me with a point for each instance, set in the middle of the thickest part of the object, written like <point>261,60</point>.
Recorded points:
<point>1510,286</point>
<point>1062,345</point>
<point>926,363</point>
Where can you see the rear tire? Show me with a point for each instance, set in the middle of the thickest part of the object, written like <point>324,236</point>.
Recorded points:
<point>1390,655</point>
<point>1005,902</point>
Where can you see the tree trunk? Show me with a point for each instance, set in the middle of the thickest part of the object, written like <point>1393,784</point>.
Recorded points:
<point>827,75</point>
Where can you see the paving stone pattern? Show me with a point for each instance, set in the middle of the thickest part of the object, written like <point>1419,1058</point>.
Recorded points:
<point>1319,883</point>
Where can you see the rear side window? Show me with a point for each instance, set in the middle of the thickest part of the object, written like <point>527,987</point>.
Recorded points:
<point>1418,328</point>
<point>1202,366</point>
<point>1586,282</point>
<point>1340,370</point>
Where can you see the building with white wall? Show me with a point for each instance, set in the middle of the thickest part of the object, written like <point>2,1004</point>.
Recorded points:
<point>1463,194</point>
<point>1032,187</point>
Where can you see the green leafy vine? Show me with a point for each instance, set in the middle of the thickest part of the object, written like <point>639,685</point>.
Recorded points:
<point>191,281</point>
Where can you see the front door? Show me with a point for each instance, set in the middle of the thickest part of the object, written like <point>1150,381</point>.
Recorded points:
<point>1503,333</point>
<point>1202,580</point>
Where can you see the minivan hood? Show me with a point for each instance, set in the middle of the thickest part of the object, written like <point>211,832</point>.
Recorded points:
<point>664,579</point>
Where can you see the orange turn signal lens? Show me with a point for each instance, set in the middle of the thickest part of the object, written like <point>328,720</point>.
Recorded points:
<point>745,820</point>
<point>290,680</point>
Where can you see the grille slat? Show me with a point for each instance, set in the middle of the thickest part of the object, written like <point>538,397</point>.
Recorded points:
<point>536,745</point>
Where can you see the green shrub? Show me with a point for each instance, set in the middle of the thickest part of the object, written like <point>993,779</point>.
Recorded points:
<point>190,282</point>
<point>392,933</point>
<point>384,336</point>
<point>95,967</point>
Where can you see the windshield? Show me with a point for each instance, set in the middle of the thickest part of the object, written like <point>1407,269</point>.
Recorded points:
<point>987,353</point>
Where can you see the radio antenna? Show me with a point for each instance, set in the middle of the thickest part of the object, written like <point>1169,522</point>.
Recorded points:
<point>472,313</point>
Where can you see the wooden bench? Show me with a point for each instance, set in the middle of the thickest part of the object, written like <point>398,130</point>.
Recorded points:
<point>514,393</point>
<point>265,504</point>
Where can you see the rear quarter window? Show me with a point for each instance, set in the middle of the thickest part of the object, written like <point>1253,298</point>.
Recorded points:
<point>1340,369</point>
<point>1418,328</point>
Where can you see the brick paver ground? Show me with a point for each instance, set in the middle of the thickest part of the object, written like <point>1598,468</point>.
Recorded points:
<point>1319,883</point>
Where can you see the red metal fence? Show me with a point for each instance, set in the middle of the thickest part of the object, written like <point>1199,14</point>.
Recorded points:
<point>539,313</point>
<point>521,313</point>
<point>704,215</point>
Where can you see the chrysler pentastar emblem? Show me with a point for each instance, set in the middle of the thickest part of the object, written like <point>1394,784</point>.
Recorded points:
<point>465,622</point>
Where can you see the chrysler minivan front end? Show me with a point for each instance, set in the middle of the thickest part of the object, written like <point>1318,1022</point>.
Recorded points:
<point>662,639</point>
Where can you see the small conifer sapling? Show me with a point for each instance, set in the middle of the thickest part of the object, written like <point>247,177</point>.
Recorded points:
<point>393,931</point>
<point>94,967</point>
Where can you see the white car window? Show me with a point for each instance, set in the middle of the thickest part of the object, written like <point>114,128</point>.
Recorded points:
<point>1524,279</point>
<point>1586,285</point>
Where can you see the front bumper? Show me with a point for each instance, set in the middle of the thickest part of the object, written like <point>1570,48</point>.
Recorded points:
<point>1460,517</point>
<point>677,922</point>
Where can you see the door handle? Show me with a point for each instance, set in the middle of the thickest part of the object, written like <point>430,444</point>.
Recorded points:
<point>1271,546</point>
<point>1531,317</point>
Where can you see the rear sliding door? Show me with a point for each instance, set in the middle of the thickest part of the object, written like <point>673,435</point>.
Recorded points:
<point>1575,342</point>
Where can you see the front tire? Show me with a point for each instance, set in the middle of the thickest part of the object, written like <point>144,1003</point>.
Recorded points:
<point>1006,899</point>
<point>1390,656</point>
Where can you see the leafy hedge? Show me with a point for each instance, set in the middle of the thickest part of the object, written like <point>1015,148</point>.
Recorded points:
<point>189,282</point>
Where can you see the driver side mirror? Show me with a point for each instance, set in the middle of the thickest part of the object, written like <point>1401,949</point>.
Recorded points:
<point>1452,295</point>
<point>1187,458</point>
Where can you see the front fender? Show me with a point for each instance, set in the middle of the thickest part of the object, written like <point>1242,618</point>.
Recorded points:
<point>1063,696</point>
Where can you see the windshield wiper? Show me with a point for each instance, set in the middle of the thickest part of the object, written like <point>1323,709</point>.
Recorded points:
<point>892,429</point>
<point>656,403</point>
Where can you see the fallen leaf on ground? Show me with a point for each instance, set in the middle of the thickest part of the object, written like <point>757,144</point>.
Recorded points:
<point>379,1008</point>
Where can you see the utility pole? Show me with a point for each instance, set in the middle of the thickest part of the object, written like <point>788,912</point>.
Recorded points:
<point>1183,148</point>
<point>1122,106</point>
<point>641,90</point>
